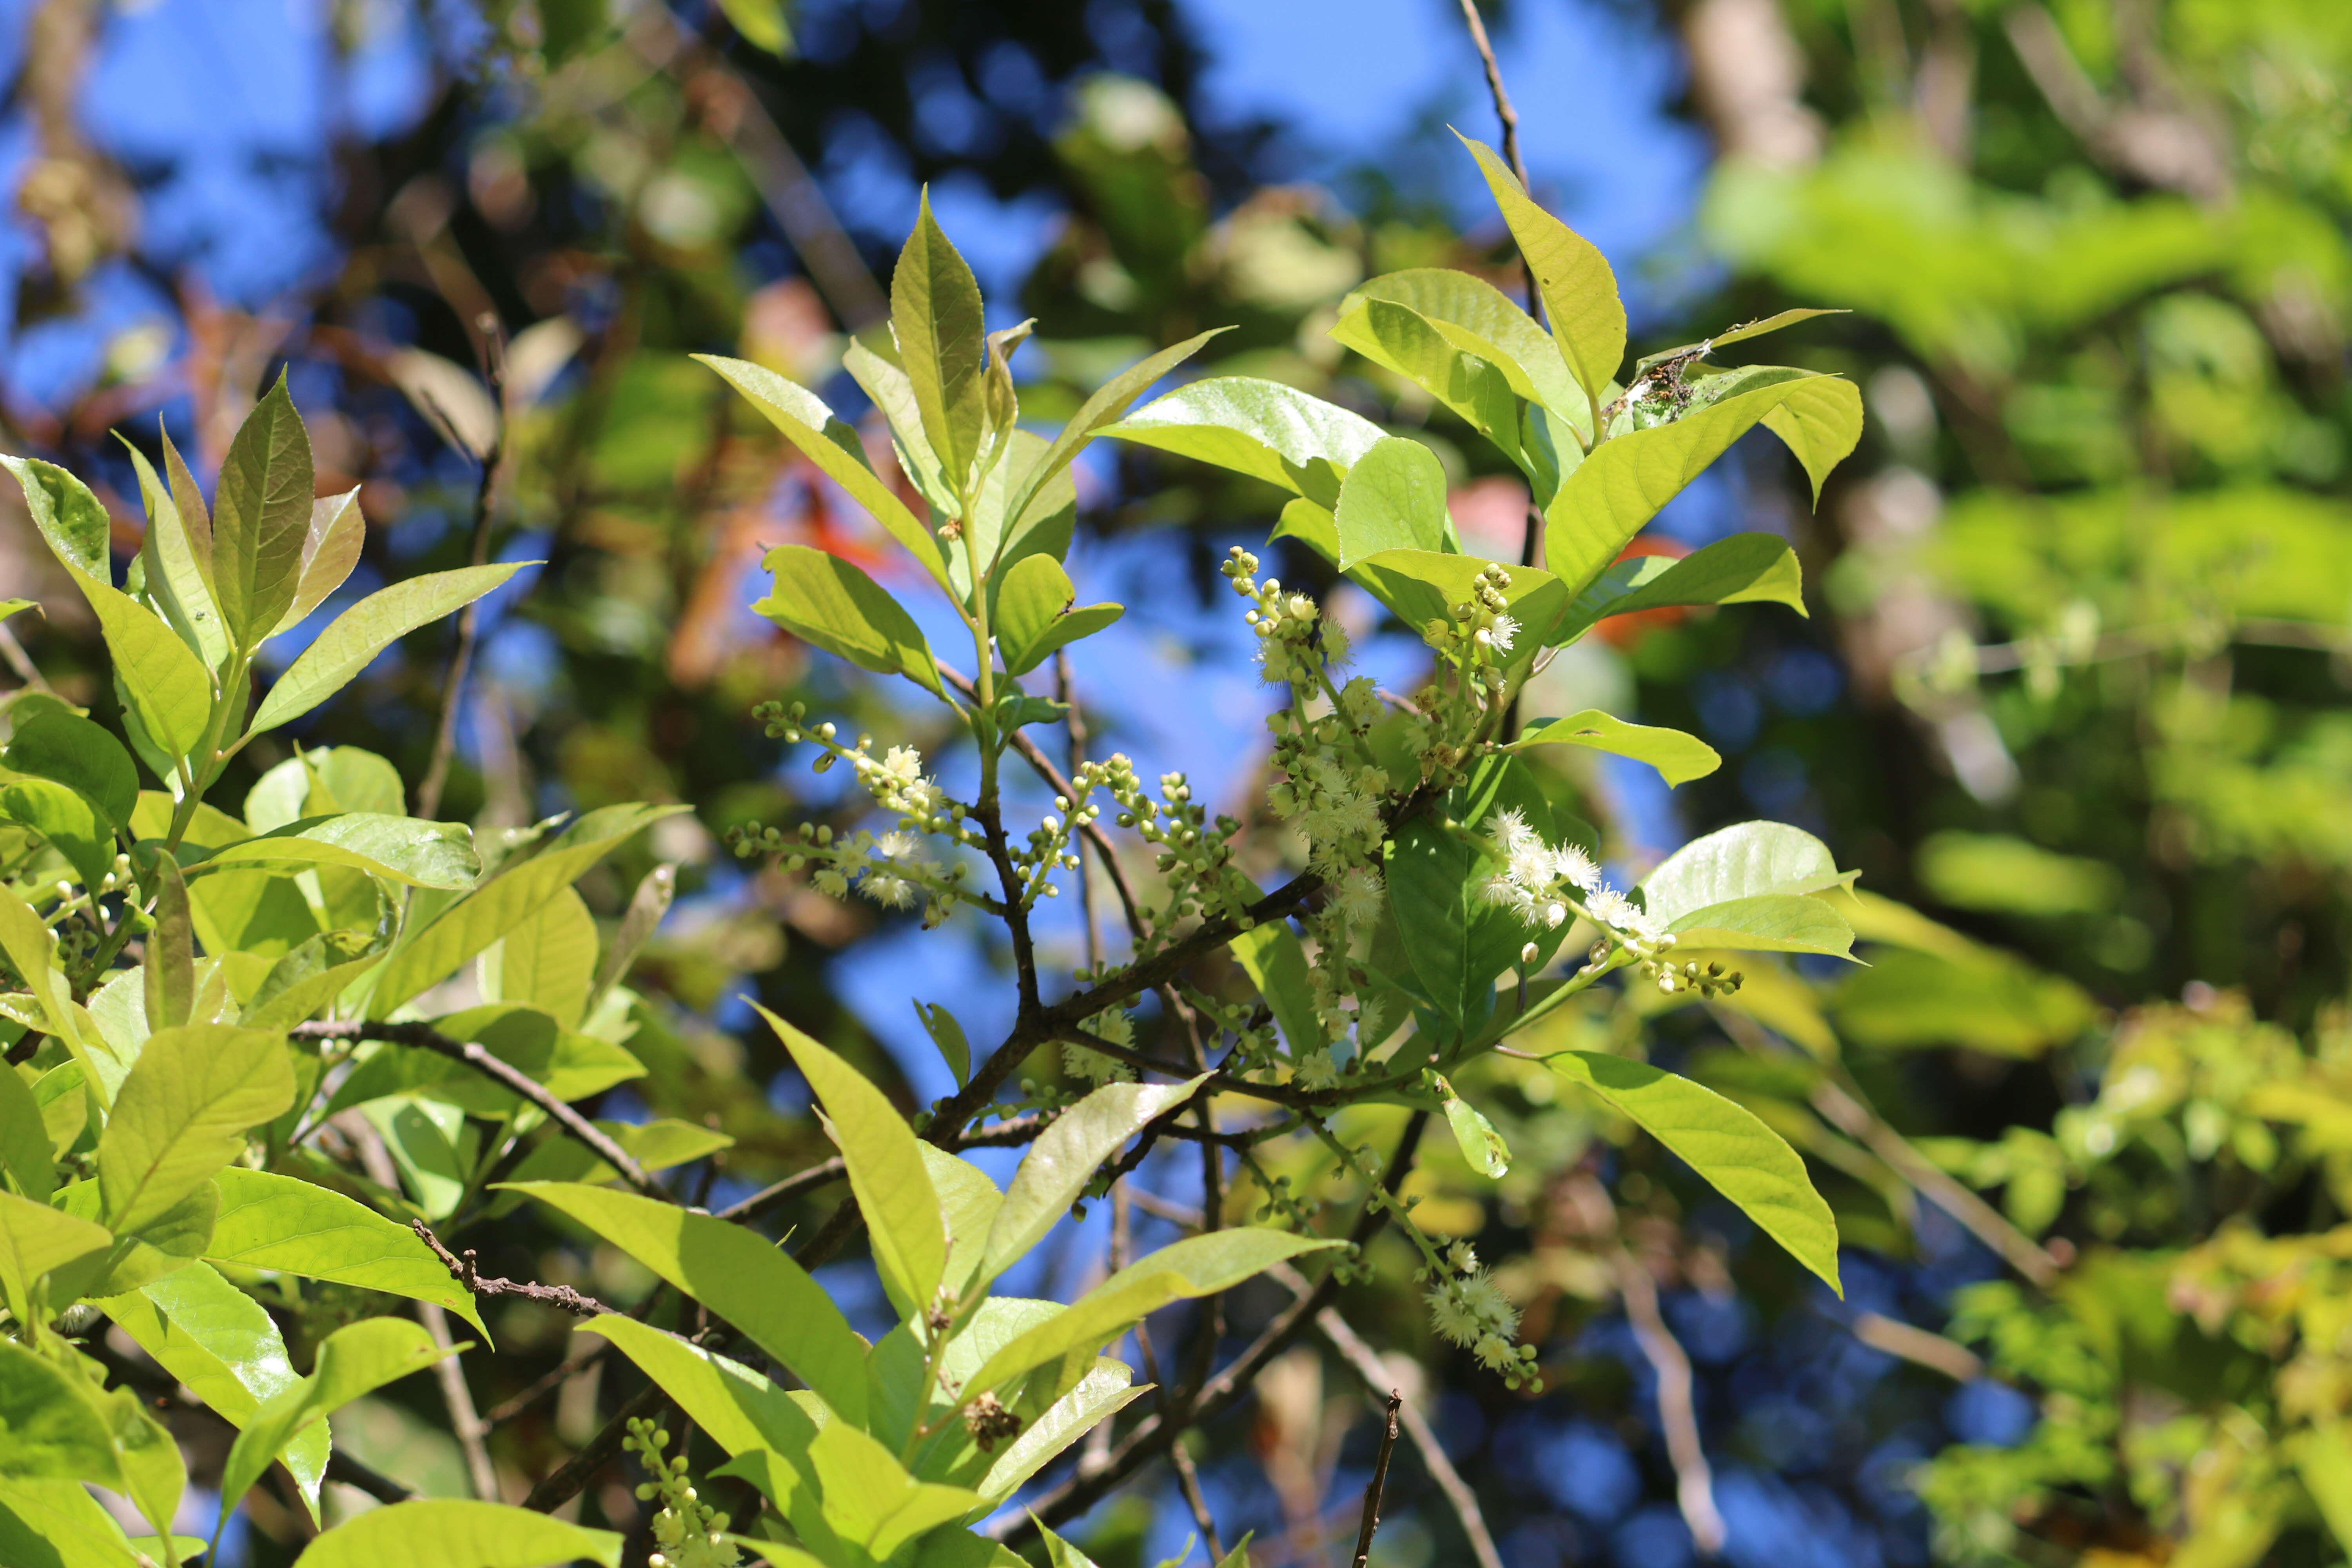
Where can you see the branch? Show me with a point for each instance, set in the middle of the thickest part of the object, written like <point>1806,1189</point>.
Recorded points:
<point>1510,118</point>
<point>476,1056</point>
<point>461,1269</point>
<point>341,1466</point>
<point>1379,1467</point>
<point>564,1483</point>
<point>1004,1134</point>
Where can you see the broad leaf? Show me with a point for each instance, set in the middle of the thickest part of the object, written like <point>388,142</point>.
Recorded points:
<point>59,1524</point>
<point>1393,498</point>
<point>1103,1393</point>
<point>56,1425</point>
<point>1746,568</point>
<point>1476,387</point>
<point>969,1204</point>
<point>1197,1266</point>
<point>292,1226</point>
<point>183,1113</point>
<point>1580,292</point>
<point>548,961</point>
<point>31,951</point>
<point>168,973</point>
<point>1679,758</point>
<point>1477,318</point>
<point>1738,1155</point>
<point>1270,953</point>
<point>1033,614</point>
<point>353,639</point>
<point>738,1408</point>
<point>834,447</point>
<point>355,1360</point>
<point>1064,1159</point>
<point>739,1276</point>
<point>1739,862</point>
<point>1044,527</point>
<point>398,848</point>
<point>894,1192</point>
<point>1108,403</point>
<point>1261,428</point>
<point>25,1152</point>
<point>1766,923</point>
<point>456,1533</point>
<point>935,313</point>
<point>1820,422</point>
<point>1422,586</point>
<point>822,599</point>
<point>54,743</point>
<point>261,517</point>
<point>35,1241</point>
<point>869,1498</point>
<point>67,823</point>
<point>331,548</point>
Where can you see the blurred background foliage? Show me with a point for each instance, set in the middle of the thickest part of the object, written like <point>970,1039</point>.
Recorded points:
<point>2071,693</point>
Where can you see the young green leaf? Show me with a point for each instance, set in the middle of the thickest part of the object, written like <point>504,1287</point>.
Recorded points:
<point>261,516</point>
<point>548,962</point>
<point>183,1113</point>
<point>331,548</point>
<point>834,447</point>
<point>1580,292</point>
<point>1747,568</point>
<point>1423,585</point>
<point>398,848</point>
<point>1393,499</point>
<point>61,1524</point>
<point>1108,403</point>
<point>1739,862</point>
<point>168,973</point>
<point>55,743</point>
<point>56,1424</point>
<point>1261,428</point>
<point>357,1359</point>
<point>1738,1155</point>
<point>947,1035</point>
<point>1482,1147</point>
<point>178,567</point>
<point>1102,1393</point>
<point>1766,923</point>
<point>869,1497</point>
<point>741,1277</point>
<point>1679,758</point>
<point>1271,955</point>
<point>452,1533</point>
<point>894,1192</point>
<point>1476,388</point>
<point>825,600</point>
<point>31,951</point>
<point>969,1204</point>
<point>1737,334</point>
<point>883,379</point>
<point>1045,526</point>
<point>66,822</point>
<point>1033,615</point>
<point>353,639</point>
<point>639,922</point>
<point>1821,423</point>
<point>1475,318</point>
<point>289,1225</point>
<point>935,312</point>
<point>1064,1159</point>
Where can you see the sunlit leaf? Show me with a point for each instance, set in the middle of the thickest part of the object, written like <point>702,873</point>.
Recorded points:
<point>822,599</point>
<point>1261,428</point>
<point>1679,758</point>
<point>1580,292</point>
<point>353,639</point>
<point>261,517</point>
<point>292,1226</point>
<point>1064,1159</point>
<point>451,1532</point>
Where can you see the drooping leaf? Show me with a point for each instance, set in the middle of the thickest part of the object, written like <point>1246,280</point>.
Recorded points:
<point>947,1035</point>
<point>183,1113</point>
<point>1261,428</point>
<point>1393,499</point>
<point>1616,490</point>
<point>452,1533</point>
<point>1678,757</point>
<point>353,639</point>
<point>642,918</point>
<point>31,951</point>
<point>356,1359</point>
<point>894,1192</point>
<point>935,313</point>
<point>1580,292</point>
<point>56,745</point>
<point>822,599</point>
<point>261,517</point>
<point>834,447</point>
<point>739,1276</point>
<point>548,962</point>
<point>1033,614</point>
<point>1735,1153</point>
<point>56,1425</point>
<point>154,1250</point>
<point>1482,1147</point>
<point>1747,568</point>
<point>293,1227</point>
<point>1766,923</point>
<point>1064,1159</point>
<point>1102,1393</point>
<point>1478,389</point>
<point>1195,1267</point>
<point>61,1524</point>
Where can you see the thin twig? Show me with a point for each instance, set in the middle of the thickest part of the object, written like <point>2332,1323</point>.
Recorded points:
<point>1379,1475</point>
<point>1353,1349</point>
<point>1509,116</point>
<point>480,1059</point>
<point>563,1297</point>
<point>469,619</point>
<point>341,1466</point>
<point>562,1484</point>
<point>20,661</point>
<point>1075,724</point>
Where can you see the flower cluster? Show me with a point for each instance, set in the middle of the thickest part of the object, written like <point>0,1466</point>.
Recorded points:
<point>1545,884</point>
<point>1467,1308</point>
<point>689,1532</point>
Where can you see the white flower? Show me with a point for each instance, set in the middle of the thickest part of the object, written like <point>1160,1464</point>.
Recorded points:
<point>903,763</point>
<point>889,891</point>
<point>1612,908</point>
<point>1500,634</point>
<point>1358,897</point>
<point>1510,833</point>
<point>831,883</point>
<point>1573,866</point>
<point>1318,1070</point>
<point>903,848</point>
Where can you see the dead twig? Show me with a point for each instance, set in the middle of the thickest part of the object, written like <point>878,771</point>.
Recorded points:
<point>1380,1478</point>
<point>469,619</point>
<point>563,1297</point>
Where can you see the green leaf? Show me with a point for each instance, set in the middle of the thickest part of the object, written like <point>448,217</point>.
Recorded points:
<point>465,927</point>
<point>1746,568</point>
<point>422,1136</point>
<point>182,1112</point>
<point>1476,388</point>
<point>1033,617</point>
<point>1616,490</point>
<point>1109,402</point>
<point>1195,1267</point>
<point>66,822</point>
<point>154,1250</point>
<point>355,1360</point>
<point>947,1035</point>
<point>1065,1157</point>
<point>1481,1145</point>
<point>398,848</point>
<point>969,1202</point>
<point>739,1276</point>
<point>894,1192</point>
<point>54,743</point>
<point>738,1409</point>
<point>59,1524</point>
<point>1457,941</point>
<point>308,978</point>
<point>1314,525</point>
<point>177,579</point>
<point>1475,318</point>
<point>869,1497</point>
<point>760,23</point>
<point>1580,292</point>
<point>825,600</point>
<point>168,973</point>
<point>1271,955</point>
<point>1045,526</point>
<point>226,1350</point>
<point>55,1425</point>
<point>548,961</point>
<point>292,1226</point>
<point>1740,333</point>
<point>639,922</point>
<point>1393,499</point>
<point>261,516</point>
<point>1103,1393</point>
<point>1739,862</point>
<point>31,951</point>
<point>1766,923</point>
<point>24,1155</point>
<point>879,375</point>
<point>1738,1155</point>
<point>35,1241</point>
<point>836,448</point>
<point>353,639</point>
<point>11,607</point>
<point>71,521</point>
<point>1423,586</point>
<point>1261,428</point>
<point>331,548</point>
<point>457,1534</point>
<point>1679,758</point>
<point>935,313</point>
